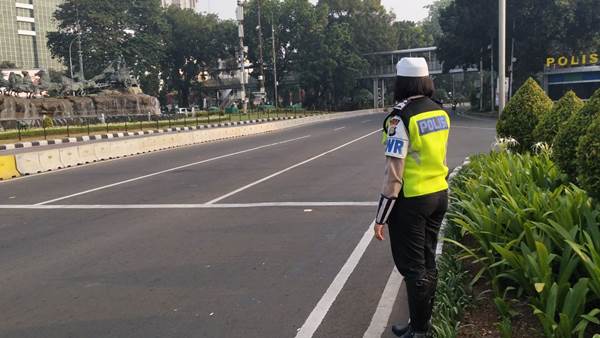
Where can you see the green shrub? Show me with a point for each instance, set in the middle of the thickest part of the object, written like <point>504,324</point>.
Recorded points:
<point>588,159</point>
<point>550,123</point>
<point>47,122</point>
<point>566,141</point>
<point>522,114</point>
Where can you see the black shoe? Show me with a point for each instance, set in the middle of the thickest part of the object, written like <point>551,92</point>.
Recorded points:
<point>400,330</point>
<point>409,332</point>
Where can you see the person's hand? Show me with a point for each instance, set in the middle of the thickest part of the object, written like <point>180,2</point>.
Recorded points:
<point>379,231</point>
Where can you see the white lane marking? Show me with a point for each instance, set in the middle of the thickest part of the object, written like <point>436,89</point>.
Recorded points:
<point>315,318</point>
<point>469,127</point>
<point>366,121</point>
<point>170,170</point>
<point>187,206</point>
<point>385,306</point>
<point>218,199</point>
<point>338,129</point>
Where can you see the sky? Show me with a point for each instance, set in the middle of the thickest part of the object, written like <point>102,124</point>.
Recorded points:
<point>405,9</point>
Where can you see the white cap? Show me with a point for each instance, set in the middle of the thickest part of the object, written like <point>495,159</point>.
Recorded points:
<point>412,67</point>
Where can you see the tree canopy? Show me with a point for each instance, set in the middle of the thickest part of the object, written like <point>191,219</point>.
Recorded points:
<point>111,29</point>
<point>539,27</point>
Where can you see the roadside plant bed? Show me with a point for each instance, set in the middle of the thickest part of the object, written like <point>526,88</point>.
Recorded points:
<point>464,304</point>
<point>533,239</point>
<point>80,128</point>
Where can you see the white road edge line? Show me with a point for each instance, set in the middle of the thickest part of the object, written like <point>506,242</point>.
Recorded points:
<point>218,199</point>
<point>170,170</point>
<point>317,315</point>
<point>187,206</point>
<point>385,306</point>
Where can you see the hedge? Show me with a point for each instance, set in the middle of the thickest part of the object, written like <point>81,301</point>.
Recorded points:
<point>522,114</point>
<point>550,123</point>
<point>588,159</point>
<point>567,140</point>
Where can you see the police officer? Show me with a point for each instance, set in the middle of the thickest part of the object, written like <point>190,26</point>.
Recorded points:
<point>414,198</point>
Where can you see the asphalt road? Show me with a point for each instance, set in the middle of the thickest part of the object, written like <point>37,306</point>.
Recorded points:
<point>262,236</point>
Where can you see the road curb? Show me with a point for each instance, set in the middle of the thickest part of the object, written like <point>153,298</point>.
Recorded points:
<point>440,247</point>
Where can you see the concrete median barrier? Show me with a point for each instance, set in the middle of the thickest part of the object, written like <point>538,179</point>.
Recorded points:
<point>118,149</point>
<point>136,146</point>
<point>102,151</point>
<point>50,160</point>
<point>40,161</point>
<point>28,163</point>
<point>8,167</point>
<point>69,157</point>
<point>87,154</point>
<point>149,144</point>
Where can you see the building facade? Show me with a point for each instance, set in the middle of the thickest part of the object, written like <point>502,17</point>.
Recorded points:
<point>23,28</point>
<point>184,4</point>
<point>578,72</point>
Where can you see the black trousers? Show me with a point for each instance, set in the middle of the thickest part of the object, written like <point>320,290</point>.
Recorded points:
<point>414,225</point>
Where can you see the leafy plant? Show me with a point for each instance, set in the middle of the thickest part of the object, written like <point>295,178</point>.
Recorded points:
<point>453,291</point>
<point>522,212</point>
<point>47,122</point>
<point>565,317</point>
<point>550,123</point>
<point>522,114</point>
<point>588,158</point>
<point>567,140</point>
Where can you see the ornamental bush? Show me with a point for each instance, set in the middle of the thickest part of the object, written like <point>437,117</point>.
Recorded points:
<point>522,114</point>
<point>588,159</point>
<point>47,122</point>
<point>568,137</point>
<point>550,123</point>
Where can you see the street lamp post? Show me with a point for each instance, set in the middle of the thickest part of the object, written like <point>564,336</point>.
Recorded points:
<point>275,93</point>
<point>502,56</point>
<point>71,58</point>
<point>81,75</point>
<point>261,78</point>
<point>240,18</point>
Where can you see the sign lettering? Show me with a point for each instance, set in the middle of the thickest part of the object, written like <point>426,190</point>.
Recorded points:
<point>431,125</point>
<point>573,60</point>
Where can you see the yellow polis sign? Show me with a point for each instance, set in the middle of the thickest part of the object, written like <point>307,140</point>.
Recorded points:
<point>573,60</point>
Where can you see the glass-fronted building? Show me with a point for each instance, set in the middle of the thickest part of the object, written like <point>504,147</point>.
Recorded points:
<point>23,28</point>
<point>579,73</point>
<point>184,4</point>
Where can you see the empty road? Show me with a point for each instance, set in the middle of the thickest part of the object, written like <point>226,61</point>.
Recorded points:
<point>255,237</point>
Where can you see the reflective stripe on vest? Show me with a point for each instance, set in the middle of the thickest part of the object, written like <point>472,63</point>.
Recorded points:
<point>425,169</point>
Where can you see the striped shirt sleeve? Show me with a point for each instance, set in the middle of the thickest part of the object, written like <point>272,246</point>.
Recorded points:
<point>392,185</point>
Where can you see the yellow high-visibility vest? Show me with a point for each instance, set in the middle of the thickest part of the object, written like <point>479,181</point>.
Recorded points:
<point>425,170</point>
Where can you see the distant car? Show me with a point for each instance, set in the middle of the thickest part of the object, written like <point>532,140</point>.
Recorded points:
<point>184,111</point>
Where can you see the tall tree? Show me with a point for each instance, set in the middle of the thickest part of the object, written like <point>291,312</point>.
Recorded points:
<point>540,28</point>
<point>110,29</point>
<point>412,35</point>
<point>195,45</point>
